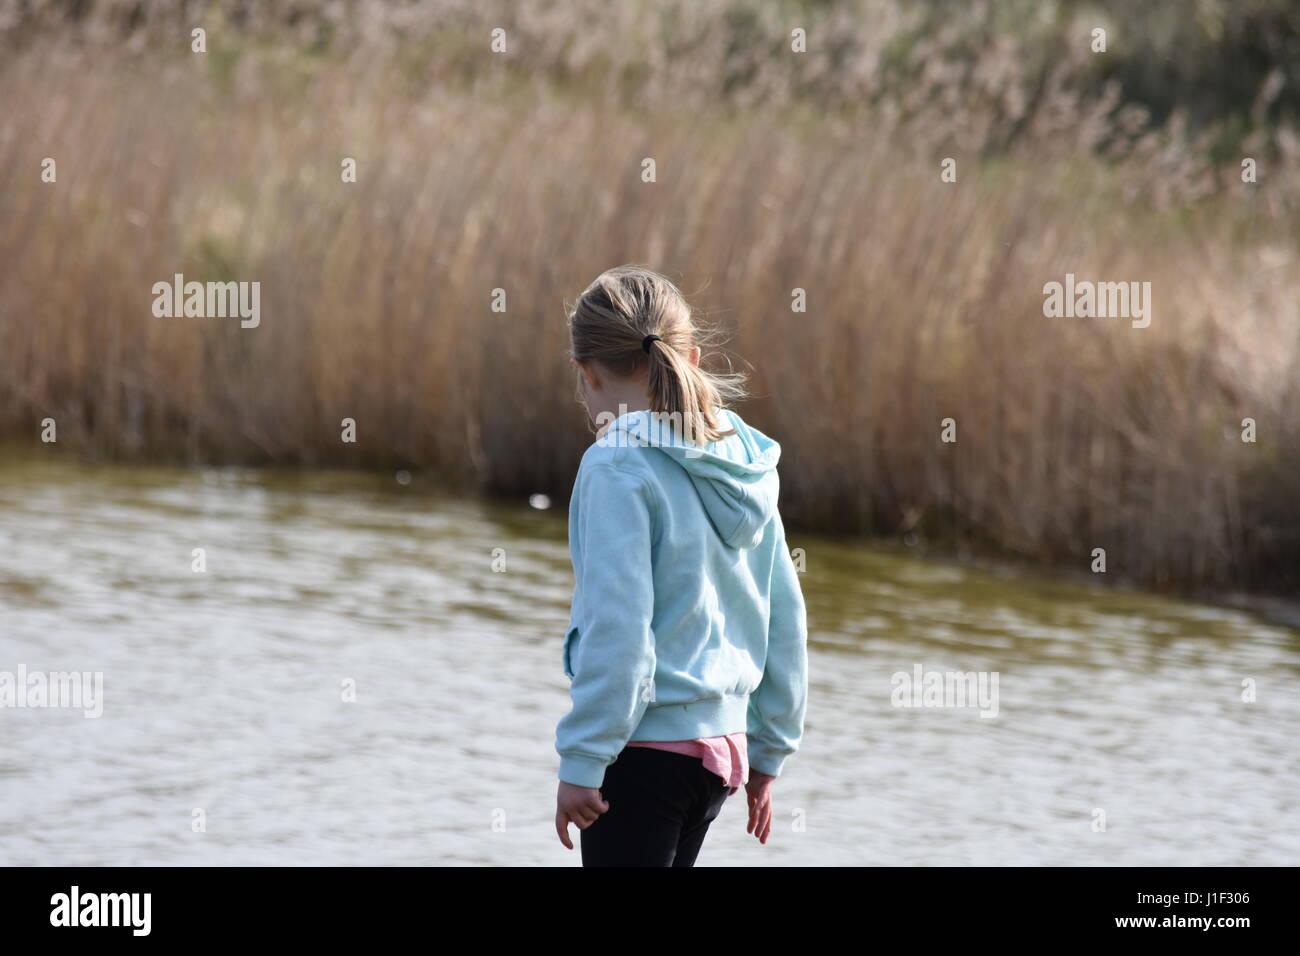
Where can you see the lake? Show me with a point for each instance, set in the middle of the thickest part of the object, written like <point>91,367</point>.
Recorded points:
<point>223,692</point>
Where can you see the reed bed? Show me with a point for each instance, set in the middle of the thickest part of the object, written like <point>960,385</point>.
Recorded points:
<point>924,298</point>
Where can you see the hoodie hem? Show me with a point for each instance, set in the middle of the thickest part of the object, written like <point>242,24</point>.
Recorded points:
<point>715,717</point>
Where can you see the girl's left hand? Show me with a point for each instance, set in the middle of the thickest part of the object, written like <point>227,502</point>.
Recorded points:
<point>581,806</point>
<point>759,790</point>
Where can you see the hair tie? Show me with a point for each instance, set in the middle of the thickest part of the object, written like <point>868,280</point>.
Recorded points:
<point>645,342</point>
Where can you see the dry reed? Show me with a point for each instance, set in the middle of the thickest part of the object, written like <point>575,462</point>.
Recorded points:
<point>924,301</point>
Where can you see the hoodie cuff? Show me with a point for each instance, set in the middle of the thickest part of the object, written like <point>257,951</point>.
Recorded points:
<point>765,761</point>
<point>582,771</point>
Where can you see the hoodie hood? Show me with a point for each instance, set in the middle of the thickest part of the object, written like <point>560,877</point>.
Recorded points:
<point>735,476</point>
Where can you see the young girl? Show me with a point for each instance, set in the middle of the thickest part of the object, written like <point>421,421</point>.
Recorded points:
<point>687,639</point>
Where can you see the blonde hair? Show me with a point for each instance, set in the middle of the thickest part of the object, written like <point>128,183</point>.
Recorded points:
<point>611,320</point>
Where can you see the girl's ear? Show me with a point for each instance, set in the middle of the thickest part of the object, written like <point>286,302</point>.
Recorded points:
<point>694,355</point>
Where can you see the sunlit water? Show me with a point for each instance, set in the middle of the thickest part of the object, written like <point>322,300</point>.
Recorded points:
<point>222,691</point>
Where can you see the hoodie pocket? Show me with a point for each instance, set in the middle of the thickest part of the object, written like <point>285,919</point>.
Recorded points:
<point>569,640</point>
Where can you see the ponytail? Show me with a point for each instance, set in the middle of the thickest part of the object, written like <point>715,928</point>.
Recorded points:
<point>632,316</point>
<point>679,388</point>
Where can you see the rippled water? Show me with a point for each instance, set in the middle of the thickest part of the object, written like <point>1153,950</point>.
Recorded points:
<point>222,692</point>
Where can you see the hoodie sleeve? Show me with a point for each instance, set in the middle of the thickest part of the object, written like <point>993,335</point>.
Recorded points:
<point>776,708</point>
<point>613,656</point>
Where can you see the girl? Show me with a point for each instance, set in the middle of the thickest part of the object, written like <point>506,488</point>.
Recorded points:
<point>687,639</point>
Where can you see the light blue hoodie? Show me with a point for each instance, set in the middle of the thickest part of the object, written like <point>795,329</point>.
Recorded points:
<point>687,617</point>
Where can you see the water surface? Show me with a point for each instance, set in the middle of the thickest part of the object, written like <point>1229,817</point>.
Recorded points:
<point>222,691</point>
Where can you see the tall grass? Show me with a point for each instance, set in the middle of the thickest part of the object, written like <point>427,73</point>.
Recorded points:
<point>924,299</point>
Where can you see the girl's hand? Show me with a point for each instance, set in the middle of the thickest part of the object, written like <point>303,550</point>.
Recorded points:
<point>580,806</point>
<point>758,788</point>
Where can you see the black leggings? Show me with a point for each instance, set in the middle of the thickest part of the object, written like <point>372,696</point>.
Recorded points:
<point>660,806</point>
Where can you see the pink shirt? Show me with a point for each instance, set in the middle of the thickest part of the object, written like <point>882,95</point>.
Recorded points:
<point>727,756</point>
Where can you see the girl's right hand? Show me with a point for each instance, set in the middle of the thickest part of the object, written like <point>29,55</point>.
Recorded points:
<point>581,806</point>
<point>758,788</point>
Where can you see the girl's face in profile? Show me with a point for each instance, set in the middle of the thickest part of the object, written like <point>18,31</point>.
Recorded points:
<point>606,396</point>
<point>591,396</point>
<point>584,392</point>
<point>603,393</point>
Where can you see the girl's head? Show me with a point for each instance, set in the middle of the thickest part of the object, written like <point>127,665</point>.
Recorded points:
<point>618,366</point>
